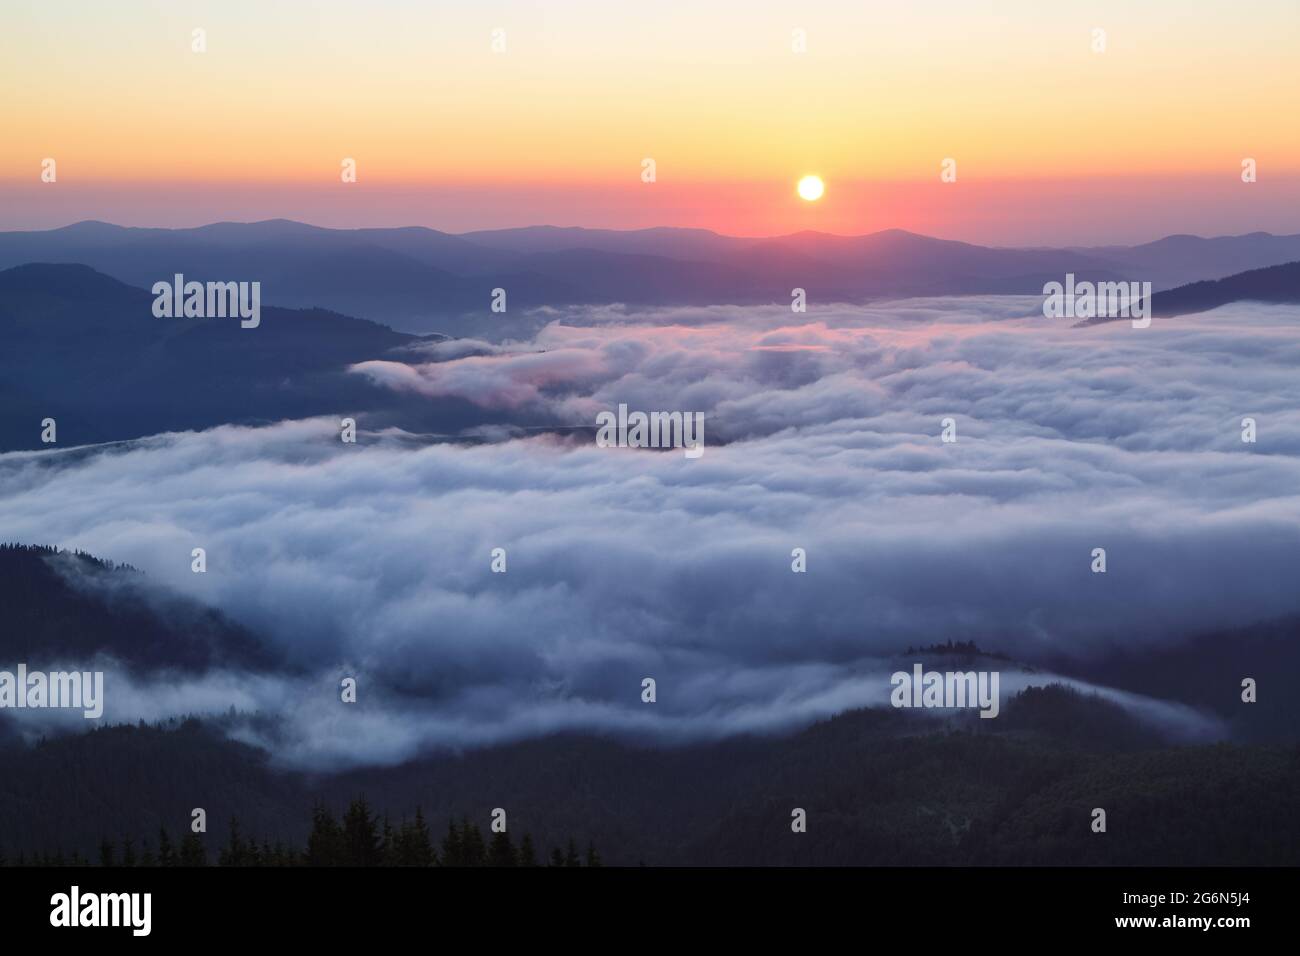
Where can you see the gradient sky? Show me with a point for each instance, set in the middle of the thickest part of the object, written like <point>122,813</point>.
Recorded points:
<point>1054,143</point>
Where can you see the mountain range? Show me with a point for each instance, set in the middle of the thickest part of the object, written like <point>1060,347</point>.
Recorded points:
<point>421,280</point>
<point>86,350</point>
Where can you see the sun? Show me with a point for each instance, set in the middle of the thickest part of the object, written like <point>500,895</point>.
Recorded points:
<point>811,188</point>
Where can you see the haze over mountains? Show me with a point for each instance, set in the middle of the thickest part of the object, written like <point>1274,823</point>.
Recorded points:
<point>88,351</point>
<point>823,434</point>
<point>421,280</point>
<point>901,787</point>
<point>331,558</point>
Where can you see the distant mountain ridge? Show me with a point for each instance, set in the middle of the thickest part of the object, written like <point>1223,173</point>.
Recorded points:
<point>422,280</point>
<point>1278,284</point>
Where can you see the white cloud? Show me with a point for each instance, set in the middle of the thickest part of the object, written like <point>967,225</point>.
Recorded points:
<point>625,564</point>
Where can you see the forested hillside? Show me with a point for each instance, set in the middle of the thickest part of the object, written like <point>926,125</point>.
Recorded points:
<point>876,791</point>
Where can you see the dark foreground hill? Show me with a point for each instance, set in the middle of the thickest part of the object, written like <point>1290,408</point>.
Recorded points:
<point>877,787</point>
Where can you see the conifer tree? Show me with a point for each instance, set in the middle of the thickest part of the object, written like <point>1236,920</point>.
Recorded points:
<point>358,840</point>
<point>360,836</point>
<point>502,851</point>
<point>388,848</point>
<point>419,848</point>
<point>473,849</point>
<point>166,857</point>
<point>452,854</point>
<point>325,844</point>
<point>193,852</point>
<point>527,855</point>
<point>233,854</point>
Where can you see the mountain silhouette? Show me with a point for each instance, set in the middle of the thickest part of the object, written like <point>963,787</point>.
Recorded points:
<point>1274,284</point>
<point>87,351</point>
<point>422,280</point>
<point>61,607</point>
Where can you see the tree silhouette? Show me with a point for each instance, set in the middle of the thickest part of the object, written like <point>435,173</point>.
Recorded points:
<point>235,853</point>
<point>502,851</point>
<point>360,839</point>
<point>527,855</point>
<point>452,852</point>
<point>360,836</point>
<point>325,844</point>
<point>166,856</point>
<point>193,852</point>
<point>473,849</point>
<point>413,845</point>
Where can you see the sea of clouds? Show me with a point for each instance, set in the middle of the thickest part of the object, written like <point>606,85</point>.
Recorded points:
<point>822,432</point>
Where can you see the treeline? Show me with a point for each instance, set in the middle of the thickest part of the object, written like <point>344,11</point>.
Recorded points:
<point>8,548</point>
<point>959,648</point>
<point>69,606</point>
<point>360,838</point>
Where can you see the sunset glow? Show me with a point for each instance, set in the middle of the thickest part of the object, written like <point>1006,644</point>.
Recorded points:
<point>449,133</point>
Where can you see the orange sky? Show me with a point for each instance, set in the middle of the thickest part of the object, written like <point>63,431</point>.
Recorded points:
<point>1147,136</point>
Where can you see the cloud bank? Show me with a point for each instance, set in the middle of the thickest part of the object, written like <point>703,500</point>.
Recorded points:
<point>373,560</point>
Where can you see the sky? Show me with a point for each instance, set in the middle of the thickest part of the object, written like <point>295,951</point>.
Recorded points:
<point>822,433</point>
<point>1053,143</point>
